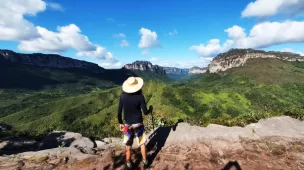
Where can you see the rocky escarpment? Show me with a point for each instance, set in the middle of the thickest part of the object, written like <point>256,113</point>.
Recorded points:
<point>197,70</point>
<point>271,144</point>
<point>176,71</point>
<point>238,57</point>
<point>145,66</point>
<point>46,60</point>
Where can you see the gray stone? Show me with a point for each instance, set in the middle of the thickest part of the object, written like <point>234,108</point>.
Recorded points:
<point>66,139</point>
<point>283,126</point>
<point>100,144</point>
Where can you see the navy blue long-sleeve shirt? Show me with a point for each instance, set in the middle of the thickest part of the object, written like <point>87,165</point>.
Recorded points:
<point>131,105</point>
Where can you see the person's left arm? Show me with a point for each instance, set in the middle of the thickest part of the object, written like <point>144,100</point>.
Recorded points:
<point>119,111</point>
<point>144,106</point>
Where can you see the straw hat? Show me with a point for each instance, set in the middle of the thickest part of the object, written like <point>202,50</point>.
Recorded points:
<point>132,84</point>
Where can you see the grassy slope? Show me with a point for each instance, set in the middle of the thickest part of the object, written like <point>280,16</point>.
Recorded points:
<point>237,97</point>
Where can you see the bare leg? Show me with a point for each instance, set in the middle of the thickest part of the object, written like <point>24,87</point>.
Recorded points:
<point>143,151</point>
<point>128,153</point>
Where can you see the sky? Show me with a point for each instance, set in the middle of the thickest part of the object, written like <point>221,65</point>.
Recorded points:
<point>174,33</point>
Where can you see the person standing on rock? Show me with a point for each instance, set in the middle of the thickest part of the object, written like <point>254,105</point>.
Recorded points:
<point>132,103</point>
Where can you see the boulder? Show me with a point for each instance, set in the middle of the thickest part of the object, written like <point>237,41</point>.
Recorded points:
<point>65,139</point>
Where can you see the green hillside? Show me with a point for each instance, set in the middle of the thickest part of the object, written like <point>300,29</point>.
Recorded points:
<point>239,96</point>
<point>271,71</point>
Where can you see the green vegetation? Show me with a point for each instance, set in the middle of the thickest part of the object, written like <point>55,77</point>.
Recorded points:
<point>261,89</point>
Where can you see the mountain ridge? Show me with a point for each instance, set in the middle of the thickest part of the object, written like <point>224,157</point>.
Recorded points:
<point>47,60</point>
<point>238,57</point>
<point>145,66</point>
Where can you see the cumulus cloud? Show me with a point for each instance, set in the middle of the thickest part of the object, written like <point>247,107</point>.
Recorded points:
<point>260,36</point>
<point>173,33</point>
<point>110,65</point>
<point>148,39</point>
<point>101,53</point>
<point>212,48</point>
<point>39,39</point>
<point>55,6</point>
<point>272,33</point>
<point>236,32</point>
<point>13,25</point>
<point>124,43</point>
<point>67,37</point>
<point>266,8</point>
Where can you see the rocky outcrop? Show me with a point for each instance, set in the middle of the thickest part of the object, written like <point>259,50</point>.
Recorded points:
<point>176,71</point>
<point>66,139</point>
<point>197,70</point>
<point>145,66</point>
<point>271,144</point>
<point>46,60</point>
<point>238,57</point>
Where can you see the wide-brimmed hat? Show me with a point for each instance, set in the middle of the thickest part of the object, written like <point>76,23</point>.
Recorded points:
<point>132,84</point>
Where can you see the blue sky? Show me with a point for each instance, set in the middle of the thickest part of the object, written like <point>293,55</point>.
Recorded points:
<point>178,33</point>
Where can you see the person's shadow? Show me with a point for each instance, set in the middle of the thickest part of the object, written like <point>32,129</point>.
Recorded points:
<point>157,141</point>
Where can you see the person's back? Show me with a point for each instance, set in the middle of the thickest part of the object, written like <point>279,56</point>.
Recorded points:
<point>132,104</point>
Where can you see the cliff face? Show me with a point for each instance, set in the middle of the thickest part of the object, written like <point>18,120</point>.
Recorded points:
<point>238,57</point>
<point>197,70</point>
<point>46,60</point>
<point>145,66</point>
<point>177,71</point>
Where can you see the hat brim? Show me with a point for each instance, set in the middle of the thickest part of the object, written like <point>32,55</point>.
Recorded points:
<point>126,87</point>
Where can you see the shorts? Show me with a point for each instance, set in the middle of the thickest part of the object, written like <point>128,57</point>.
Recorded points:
<point>138,132</point>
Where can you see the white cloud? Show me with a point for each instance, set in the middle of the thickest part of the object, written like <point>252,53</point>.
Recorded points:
<point>99,53</point>
<point>145,53</point>
<point>292,51</point>
<point>110,65</point>
<point>13,25</point>
<point>119,35</point>
<point>236,32</point>
<point>153,59</point>
<point>67,37</point>
<point>212,48</point>
<point>32,38</point>
<point>272,33</point>
<point>148,39</point>
<point>173,33</point>
<point>260,36</point>
<point>55,6</point>
<point>266,8</point>
<point>124,43</point>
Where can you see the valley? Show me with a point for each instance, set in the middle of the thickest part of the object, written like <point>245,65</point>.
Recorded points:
<point>36,100</point>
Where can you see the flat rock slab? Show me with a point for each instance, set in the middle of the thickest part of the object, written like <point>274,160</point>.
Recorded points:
<point>284,127</point>
<point>271,144</point>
